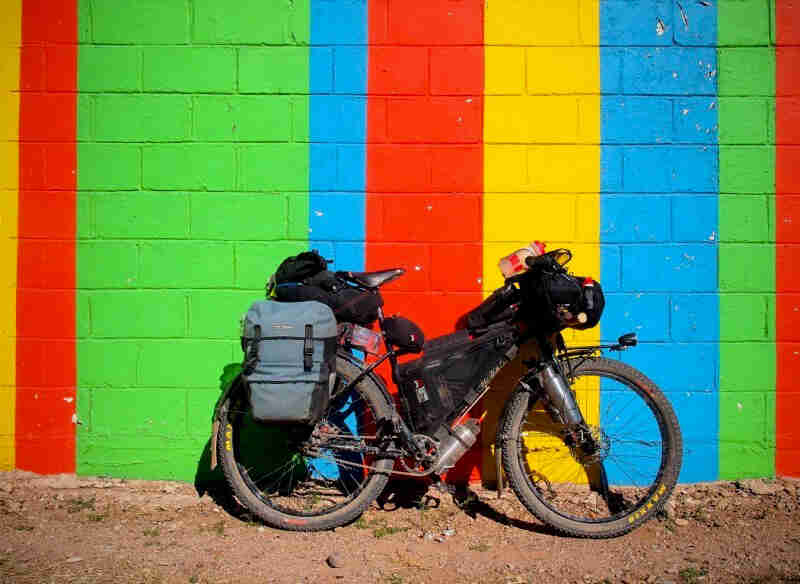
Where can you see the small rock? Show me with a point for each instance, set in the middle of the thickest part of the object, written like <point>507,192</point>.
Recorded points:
<point>74,559</point>
<point>261,529</point>
<point>681,522</point>
<point>448,532</point>
<point>335,561</point>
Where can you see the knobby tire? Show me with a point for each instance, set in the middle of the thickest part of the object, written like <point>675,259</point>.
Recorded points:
<point>651,463</point>
<point>294,471</point>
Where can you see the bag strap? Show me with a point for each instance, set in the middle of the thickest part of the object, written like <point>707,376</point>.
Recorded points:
<point>308,348</point>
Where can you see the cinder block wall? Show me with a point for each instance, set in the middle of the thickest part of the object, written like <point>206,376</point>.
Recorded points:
<point>165,155</point>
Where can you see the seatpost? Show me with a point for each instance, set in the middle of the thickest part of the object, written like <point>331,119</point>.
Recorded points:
<point>388,347</point>
<point>400,426</point>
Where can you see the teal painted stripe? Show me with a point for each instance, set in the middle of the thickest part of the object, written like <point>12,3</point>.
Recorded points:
<point>659,220</point>
<point>338,110</point>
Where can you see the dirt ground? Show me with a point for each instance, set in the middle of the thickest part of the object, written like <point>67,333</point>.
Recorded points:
<point>66,529</point>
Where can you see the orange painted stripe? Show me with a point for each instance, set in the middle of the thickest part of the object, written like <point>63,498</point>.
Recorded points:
<point>10,36</point>
<point>45,359</point>
<point>787,252</point>
<point>424,177</point>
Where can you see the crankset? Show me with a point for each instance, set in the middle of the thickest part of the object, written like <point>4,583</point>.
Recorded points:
<point>421,466</point>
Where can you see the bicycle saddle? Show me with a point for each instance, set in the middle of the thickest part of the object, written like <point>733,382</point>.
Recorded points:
<point>371,279</point>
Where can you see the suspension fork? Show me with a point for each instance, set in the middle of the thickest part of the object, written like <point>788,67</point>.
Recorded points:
<point>547,377</point>
<point>546,373</point>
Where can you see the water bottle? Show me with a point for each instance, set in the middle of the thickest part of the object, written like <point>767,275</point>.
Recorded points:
<point>455,444</point>
<point>514,263</point>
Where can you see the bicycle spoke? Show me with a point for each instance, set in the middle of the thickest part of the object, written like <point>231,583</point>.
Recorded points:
<point>631,453</point>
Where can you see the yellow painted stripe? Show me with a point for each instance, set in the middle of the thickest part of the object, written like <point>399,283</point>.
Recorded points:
<point>542,149</point>
<point>10,37</point>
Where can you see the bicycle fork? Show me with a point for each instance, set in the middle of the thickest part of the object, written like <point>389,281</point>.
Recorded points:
<point>563,408</point>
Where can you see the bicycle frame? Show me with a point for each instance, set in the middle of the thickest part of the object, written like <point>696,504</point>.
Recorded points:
<point>545,378</point>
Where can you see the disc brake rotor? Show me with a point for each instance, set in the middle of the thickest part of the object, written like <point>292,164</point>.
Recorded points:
<point>595,438</point>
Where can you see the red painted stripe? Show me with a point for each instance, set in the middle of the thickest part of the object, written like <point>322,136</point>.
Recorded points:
<point>46,369</point>
<point>787,256</point>
<point>425,162</point>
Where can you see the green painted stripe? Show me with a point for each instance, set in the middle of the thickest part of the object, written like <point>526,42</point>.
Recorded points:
<point>747,235</point>
<point>193,168</point>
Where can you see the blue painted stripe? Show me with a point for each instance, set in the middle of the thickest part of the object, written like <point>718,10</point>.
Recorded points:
<point>337,131</point>
<point>659,224</point>
<point>337,134</point>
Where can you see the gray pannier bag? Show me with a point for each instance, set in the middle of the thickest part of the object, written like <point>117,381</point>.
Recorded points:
<point>290,359</point>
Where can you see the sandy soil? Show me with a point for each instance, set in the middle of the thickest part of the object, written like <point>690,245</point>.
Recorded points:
<point>67,529</point>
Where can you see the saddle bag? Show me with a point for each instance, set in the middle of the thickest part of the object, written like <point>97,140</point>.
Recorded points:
<point>348,303</point>
<point>452,373</point>
<point>290,360</point>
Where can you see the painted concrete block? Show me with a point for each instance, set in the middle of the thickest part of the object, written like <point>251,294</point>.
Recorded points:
<point>694,317</point>
<point>647,315</point>
<point>146,22</point>
<point>669,71</point>
<point>669,268</point>
<point>189,69</point>
<point>694,218</point>
<point>635,219</point>
<point>194,167</point>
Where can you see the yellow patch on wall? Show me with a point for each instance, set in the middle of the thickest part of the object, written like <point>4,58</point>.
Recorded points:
<point>10,40</point>
<point>542,150</point>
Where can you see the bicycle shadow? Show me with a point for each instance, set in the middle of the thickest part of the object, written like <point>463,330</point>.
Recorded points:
<point>211,482</point>
<point>471,504</point>
<point>415,494</point>
<point>402,493</point>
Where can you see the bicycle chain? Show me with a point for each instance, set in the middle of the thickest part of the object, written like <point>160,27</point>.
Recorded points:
<point>368,467</point>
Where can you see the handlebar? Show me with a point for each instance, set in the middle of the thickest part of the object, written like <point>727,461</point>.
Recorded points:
<point>557,257</point>
<point>533,261</point>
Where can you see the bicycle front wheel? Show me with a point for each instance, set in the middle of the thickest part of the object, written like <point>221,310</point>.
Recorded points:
<point>623,482</point>
<point>301,478</point>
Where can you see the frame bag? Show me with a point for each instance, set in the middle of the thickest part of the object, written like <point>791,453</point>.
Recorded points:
<point>452,373</point>
<point>290,360</point>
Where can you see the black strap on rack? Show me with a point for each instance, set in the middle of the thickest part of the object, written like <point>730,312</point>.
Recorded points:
<point>308,348</point>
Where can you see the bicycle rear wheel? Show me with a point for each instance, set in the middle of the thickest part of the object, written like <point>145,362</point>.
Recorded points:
<point>307,479</point>
<point>620,485</point>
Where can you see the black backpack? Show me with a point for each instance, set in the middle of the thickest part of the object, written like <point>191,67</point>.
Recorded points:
<point>300,267</point>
